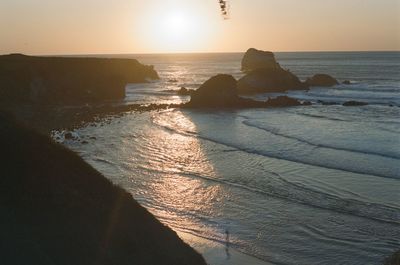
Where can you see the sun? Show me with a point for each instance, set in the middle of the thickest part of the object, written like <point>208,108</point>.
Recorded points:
<point>177,30</point>
<point>176,24</point>
<point>177,27</point>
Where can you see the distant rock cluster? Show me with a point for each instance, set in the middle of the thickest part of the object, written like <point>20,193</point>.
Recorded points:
<point>221,91</point>
<point>263,74</point>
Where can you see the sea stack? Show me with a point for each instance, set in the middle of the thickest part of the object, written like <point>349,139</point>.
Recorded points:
<point>264,74</point>
<point>218,91</point>
<point>255,59</point>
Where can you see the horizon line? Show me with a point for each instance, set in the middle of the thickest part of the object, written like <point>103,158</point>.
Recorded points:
<point>191,52</point>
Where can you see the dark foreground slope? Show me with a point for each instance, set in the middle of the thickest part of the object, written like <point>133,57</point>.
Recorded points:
<point>61,80</point>
<point>56,209</point>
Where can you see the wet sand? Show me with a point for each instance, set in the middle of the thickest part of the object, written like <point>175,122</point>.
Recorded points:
<point>219,254</point>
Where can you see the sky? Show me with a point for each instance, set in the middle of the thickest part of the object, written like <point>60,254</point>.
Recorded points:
<point>162,26</point>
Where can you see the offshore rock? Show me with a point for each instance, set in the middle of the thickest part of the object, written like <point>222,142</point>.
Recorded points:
<point>221,92</point>
<point>218,91</point>
<point>284,101</point>
<point>353,103</point>
<point>322,80</point>
<point>256,59</point>
<point>269,80</point>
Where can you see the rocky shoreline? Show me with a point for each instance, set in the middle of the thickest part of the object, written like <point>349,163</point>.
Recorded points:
<point>45,95</point>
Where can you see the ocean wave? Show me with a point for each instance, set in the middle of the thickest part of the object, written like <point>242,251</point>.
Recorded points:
<point>278,155</point>
<point>359,95</point>
<point>276,132</point>
<point>304,195</point>
<point>324,117</point>
<point>318,116</point>
<point>301,194</point>
<point>354,88</point>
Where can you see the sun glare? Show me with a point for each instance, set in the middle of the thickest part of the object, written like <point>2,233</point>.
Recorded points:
<point>176,24</point>
<point>178,28</point>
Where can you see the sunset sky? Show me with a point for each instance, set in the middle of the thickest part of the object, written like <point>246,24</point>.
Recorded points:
<point>158,26</point>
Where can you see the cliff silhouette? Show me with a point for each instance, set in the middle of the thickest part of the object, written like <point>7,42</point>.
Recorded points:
<point>68,80</point>
<point>57,209</point>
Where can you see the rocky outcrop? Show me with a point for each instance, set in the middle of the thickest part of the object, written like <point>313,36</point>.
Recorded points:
<point>394,259</point>
<point>269,80</point>
<point>183,91</point>
<point>221,92</point>
<point>57,209</point>
<point>264,75</point>
<point>322,80</point>
<point>328,103</point>
<point>218,91</point>
<point>284,101</point>
<point>255,59</point>
<point>60,80</point>
<point>353,103</point>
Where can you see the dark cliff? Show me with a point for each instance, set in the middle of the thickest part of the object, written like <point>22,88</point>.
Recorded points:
<point>57,209</point>
<point>60,80</point>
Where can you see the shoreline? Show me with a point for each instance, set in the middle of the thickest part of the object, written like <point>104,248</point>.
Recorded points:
<point>218,254</point>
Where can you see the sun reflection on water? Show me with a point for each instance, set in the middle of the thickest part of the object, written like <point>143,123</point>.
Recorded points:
<point>182,192</point>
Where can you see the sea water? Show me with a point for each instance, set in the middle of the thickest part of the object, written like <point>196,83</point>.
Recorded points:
<point>301,185</point>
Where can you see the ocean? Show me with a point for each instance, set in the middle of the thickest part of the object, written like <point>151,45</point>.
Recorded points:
<point>305,185</point>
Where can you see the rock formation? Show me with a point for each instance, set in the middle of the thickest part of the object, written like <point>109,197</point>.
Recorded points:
<point>394,259</point>
<point>66,80</point>
<point>218,91</point>
<point>183,91</point>
<point>221,92</point>
<point>255,59</point>
<point>269,80</point>
<point>284,101</point>
<point>322,80</point>
<point>264,74</point>
<point>353,103</point>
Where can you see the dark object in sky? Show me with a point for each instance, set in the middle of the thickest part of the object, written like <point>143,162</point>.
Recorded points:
<point>224,8</point>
